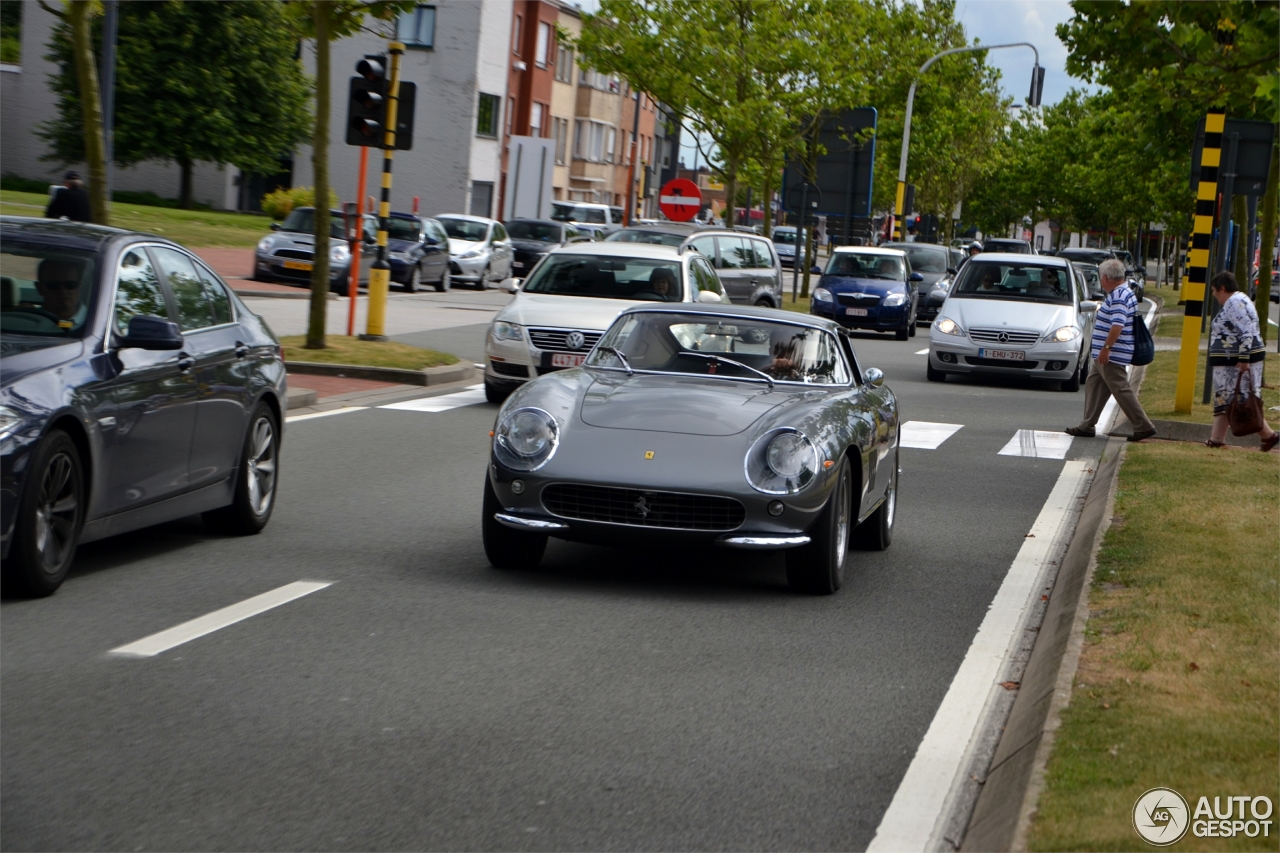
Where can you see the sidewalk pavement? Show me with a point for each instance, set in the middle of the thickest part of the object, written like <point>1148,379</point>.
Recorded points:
<point>236,266</point>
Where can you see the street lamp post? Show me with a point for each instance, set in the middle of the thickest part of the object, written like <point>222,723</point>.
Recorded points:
<point>911,97</point>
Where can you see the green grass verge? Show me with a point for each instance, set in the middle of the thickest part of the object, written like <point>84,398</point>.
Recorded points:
<point>800,305</point>
<point>1171,326</point>
<point>1159,388</point>
<point>340,349</point>
<point>189,227</point>
<point>1178,682</point>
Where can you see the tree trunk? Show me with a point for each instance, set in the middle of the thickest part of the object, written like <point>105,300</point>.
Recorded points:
<point>320,166</point>
<point>95,148</point>
<point>731,191</point>
<point>1267,230</point>
<point>185,192</point>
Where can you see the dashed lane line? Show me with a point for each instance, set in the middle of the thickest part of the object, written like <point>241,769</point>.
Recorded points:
<point>311,415</point>
<point>217,620</point>
<point>925,435</point>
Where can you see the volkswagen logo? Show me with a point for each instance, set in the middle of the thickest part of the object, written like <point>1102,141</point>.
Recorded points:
<point>575,340</point>
<point>1003,337</point>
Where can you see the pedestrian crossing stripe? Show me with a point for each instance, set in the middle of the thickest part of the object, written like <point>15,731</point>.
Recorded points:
<point>1038,444</point>
<point>469,397</point>
<point>925,435</point>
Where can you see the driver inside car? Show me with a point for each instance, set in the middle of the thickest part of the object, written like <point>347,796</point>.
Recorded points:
<point>662,282</point>
<point>58,283</point>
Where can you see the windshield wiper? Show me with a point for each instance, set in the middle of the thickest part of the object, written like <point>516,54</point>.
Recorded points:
<point>723,360</point>
<point>621,358</point>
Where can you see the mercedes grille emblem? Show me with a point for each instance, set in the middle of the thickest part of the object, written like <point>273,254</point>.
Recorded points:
<point>575,340</point>
<point>1003,337</point>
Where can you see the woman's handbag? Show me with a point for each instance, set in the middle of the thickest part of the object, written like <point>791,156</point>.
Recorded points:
<point>1144,348</point>
<point>1244,412</point>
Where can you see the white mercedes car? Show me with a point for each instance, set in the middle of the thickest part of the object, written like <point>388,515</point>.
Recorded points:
<point>1014,314</point>
<point>574,294</point>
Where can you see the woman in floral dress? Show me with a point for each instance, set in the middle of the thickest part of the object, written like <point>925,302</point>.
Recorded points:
<point>1235,348</point>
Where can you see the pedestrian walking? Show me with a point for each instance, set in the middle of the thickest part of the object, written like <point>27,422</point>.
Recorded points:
<point>70,201</point>
<point>1235,354</point>
<point>1112,353</point>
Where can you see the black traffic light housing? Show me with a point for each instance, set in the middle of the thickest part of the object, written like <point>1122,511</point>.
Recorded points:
<point>1037,86</point>
<point>367,106</point>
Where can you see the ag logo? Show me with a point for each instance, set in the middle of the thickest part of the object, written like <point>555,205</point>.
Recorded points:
<point>1161,816</point>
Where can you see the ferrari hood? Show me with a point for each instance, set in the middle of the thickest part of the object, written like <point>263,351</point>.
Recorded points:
<point>690,405</point>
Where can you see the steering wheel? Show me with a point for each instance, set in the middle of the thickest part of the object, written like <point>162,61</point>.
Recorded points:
<point>755,335</point>
<point>34,313</point>
<point>651,295</point>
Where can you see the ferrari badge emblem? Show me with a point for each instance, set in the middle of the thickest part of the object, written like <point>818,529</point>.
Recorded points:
<point>648,454</point>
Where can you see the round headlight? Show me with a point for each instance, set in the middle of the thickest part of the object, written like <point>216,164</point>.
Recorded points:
<point>340,254</point>
<point>782,463</point>
<point>525,439</point>
<point>787,454</point>
<point>265,244</point>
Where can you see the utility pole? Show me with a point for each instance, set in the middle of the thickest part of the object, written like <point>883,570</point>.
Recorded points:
<point>380,272</point>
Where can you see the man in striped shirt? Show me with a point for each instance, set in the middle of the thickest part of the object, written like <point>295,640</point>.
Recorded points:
<point>1112,351</point>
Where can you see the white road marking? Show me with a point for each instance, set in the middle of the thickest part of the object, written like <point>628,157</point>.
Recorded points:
<point>1273,322</point>
<point>926,435</point>
<point>341,411</point>
<point>1038,444</point>
<point>471,396</point>
<point>922,352</point>
<point>218,619</point>
<point>919,807</point>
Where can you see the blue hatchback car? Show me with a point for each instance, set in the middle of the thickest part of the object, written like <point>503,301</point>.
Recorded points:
<point>135,388</point>
<point>869,288</point>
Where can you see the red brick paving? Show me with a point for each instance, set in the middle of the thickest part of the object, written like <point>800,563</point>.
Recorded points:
<point>236,265</point>
<point>327,386</point>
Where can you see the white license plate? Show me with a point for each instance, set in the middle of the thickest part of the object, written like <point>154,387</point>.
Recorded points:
<point>298,265</point>
<point>566,359</point>
<point>1006,354</point>
<point>855,312</point>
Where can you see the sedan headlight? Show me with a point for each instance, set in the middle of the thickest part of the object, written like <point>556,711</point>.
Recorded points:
<point>526,439</point>
<point>503,331</point>
<point>9,420</point>
<point>1066,333</point>
<point>466,256</point>
<point>782,462</point>
<point>340,254</point>
<point>894,299</point>
<point>267,243</point>
<point>949,327</point>
<point>821,294</point>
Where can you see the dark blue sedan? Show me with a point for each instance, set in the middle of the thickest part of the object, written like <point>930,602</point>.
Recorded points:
<point>869,288</point>
<point>135,388</point>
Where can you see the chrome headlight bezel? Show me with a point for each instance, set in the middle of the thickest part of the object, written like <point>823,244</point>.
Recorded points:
<point>759,465</point>
<point>947,326</point>
<point>1064,335</point>
<point>510,439</point>
<point>501,330</point>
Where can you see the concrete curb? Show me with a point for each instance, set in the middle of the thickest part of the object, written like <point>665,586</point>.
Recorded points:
<point>248,293</point>
<point>300,398</point>
<point>1006,799</point>
<point>462,371</point>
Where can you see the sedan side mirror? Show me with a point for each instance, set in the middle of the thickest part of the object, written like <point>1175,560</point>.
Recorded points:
<point>275,226</point>
<point>1088,305</point>
<point>915,276</point>
<point>873,376</point>
<point>815,269</point>
<point>511,285</point>
<point>150,332</point>
<point>708,296</point>
<point>369,239</point>
<point>1142,271</point>
<point>951,270</point>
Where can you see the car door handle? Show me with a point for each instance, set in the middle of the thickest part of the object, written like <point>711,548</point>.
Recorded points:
<point>185,363</point>
<point>241,350</point>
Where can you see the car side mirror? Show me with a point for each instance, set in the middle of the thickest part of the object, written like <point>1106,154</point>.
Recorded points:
<point>915,276</point>
<point>708,296</point>
<point>275,226</point>
<point>873,376</point>
<point>511,285</point>
<point>150,332</point>
<point>369,239</point>
<point>1088,305</point>
<point>815,269</point>
<point>1142,270</point>
<point>951,270</point>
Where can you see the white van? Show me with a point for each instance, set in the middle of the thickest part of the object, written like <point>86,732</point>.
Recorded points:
<point>601,217</point>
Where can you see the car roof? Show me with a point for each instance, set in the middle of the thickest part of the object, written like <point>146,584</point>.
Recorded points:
<point>870,250</point>
<point>401,215</point>
<point>893,245</point>
<point>1021,259</point>
<point>85,236</point>
<point>668,228</point>
<point>726,232</point>
<point>537,221</point>
<point>465,216</point>
<point>651,251</point>
<point>728,309</point>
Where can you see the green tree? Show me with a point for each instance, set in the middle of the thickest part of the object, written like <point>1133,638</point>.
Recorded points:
<point>211,82</point>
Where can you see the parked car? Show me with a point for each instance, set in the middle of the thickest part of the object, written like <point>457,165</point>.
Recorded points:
<point>658,233</point>
<point>135,388</point>
<point>743,427</point>
<point>480,250</point>
<point>865,287</point>
<point>747,265</point>
<point>563,307</point>
<point>288,254</point>
<point>1003,244</point>
<point>418,251</point>
<point>599,216</point>
<point>1013,315</point>
<point>531,239</point>
<point>935,264</point>
<point>1084,255</point>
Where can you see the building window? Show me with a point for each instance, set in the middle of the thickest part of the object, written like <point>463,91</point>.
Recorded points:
<point>594,141</point>
<point>418,28</point>
<point>481,198</point>
<point>487,120</point>
<point>597,80</point>
<point>535,119</point>
<point>611,139</point>
<point>515,36</point>
<point>544,44</point>
<point>11,32</point>
<point>562,138</point>
<point>564,64</point>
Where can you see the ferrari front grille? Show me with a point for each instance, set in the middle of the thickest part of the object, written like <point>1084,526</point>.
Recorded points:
<point>642,507</point>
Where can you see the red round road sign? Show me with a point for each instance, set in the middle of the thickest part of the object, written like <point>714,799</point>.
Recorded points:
<point>680,200</point>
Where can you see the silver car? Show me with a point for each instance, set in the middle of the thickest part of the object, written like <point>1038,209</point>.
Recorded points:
<point>1014,314</point>
<point>480,250</point>
<point>722,425</point>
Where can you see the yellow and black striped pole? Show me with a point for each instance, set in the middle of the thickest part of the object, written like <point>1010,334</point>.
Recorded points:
<point>380,272</point>
<point>898,214</point>
<point>1193,292</point>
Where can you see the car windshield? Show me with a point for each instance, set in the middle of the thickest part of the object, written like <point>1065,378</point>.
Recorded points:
<point>466,230</point>
<point>541,232</point>
<point>786,238</point>
<point>608,278</point>
<point>729,348</point>
<point>403,229</point>
<point>639,235</point>
<point>927,258</point>
<point>866,265</point>
<point>1015,246</point>
<point>302,220</point>
<point>577,213</point>
<point>991,280</point>
<point>45,290</point>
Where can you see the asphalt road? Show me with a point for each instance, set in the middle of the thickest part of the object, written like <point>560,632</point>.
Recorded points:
<point>609,700</point>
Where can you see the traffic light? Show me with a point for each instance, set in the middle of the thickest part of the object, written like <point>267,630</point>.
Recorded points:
<point>367,106</point>
<point>1037,86</point>
<point>909,202</point>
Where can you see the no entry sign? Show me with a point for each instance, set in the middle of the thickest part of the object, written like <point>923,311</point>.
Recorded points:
<point>680,200</point>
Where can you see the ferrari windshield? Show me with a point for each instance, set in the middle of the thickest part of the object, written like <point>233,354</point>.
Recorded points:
<point>731,348</point>
<point>607,278</point>
<point>992,280</point>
